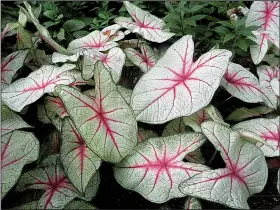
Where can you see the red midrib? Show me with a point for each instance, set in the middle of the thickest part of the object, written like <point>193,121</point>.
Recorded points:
<point>141,24</point>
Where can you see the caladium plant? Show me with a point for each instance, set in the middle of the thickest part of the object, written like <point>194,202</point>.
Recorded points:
<point>145,108</point>
<point>176,86</point>
<point>266,15</point>
<point>155,167</point>
<point>110,128</point>
<point>245,173</point>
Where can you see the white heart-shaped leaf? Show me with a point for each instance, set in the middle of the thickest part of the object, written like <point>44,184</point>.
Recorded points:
<point>144,60</point>
<point>245,173</point>
<point>94,40</point>
<point>10,121</point>
<point>266,15</point>
<point>242,84</point>
<point>17,149</point>
<point>10,65</point>
<point>78,161</point>
<point>176,86</point>
<point>28,90</point>
<point>155,167</point>
<point>268,129</point>
<point>110,128</point>
<point>146,24</point>
<point>192,203</point>
<point>50,178</point>
<point>266,75</point>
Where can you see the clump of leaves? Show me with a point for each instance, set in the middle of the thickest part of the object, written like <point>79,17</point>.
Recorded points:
<point>80,95</point>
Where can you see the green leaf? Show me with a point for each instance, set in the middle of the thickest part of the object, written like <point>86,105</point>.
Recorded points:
<point>197,17</point>
<point>190,22</point>
<point>80,34</point>
<point>242,44</point>
<point>228,37</point>
<point>244,113</point>
<point>50,14</point>
<point>61,34</point>
<point>226,23</point>
<point>73,25</point>
<point>221,30</point>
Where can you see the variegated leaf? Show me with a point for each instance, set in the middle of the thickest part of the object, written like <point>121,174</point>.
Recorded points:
<point>266,15</point>
<point>10,65</point>
<point>94,40</point>
<point>147,25</point>
<point>28,90</point>
<point>17,149</point>
<point>174,127</point>
<point>242,84</point>
<point>268,129</point>
<point>79,204</point>
<point>10,121</point>
<point>79,162</point>
<point>245,173</point>
<point>144,60</point>
<point>50,178</point>
<point>176,86</point>
<point>9,30</point>
<point>113,32</point>
<point>110,128</point>
<point>155,167</point>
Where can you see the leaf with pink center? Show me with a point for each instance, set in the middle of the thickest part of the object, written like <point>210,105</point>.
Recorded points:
<point>144,60</point>
<point>144,134</point>
<point>268,129</point>
<point>176,86</point>
<point>79,162</point>
<point>245,173</point>
<point>17,149</point>
<point>155,167</point>
<point>244,113</point>
<point>113,32</point>
<point>125,92</point>
<point>95,40</point>
<point>50,178</point>
<point>55,110</point>
<point>208,113</point>
<point>10,121</point>
<point>28,90</point>
<point>192,203</point>
<point>242,84</point>
<point>110,129</point>
<point>113,61</point>
<point>177,126</point>
<point>266,75</point>
<point>147,25</point>
<point>10,65</point>
<point>266,15</point>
